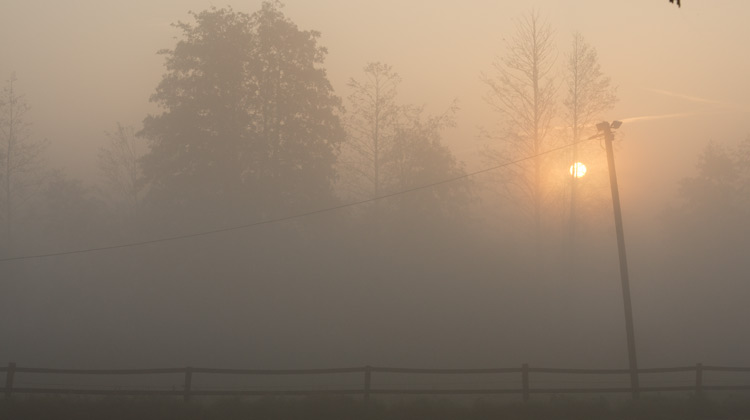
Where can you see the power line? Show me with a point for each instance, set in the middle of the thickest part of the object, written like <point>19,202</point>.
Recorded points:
<point>287,218</point>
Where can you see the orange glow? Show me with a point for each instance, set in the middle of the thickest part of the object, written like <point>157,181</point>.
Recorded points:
<point>578,169</point>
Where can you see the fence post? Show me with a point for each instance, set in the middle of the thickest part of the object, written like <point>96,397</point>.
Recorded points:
<point>368,377</point>
<point>699,380</point>
<point>525,379</point>
<point>188,383</point>
<point>9,374</point>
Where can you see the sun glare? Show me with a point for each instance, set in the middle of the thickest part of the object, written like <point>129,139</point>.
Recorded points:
<point>578,169</point>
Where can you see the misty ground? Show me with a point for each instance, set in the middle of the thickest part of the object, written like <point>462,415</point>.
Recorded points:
<point>336,408</point>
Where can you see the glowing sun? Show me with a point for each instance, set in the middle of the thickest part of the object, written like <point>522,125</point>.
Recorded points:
<point>578,169</point>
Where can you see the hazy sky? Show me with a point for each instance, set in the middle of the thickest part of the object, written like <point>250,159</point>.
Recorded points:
<point>682,77</point>
<point>86,64</point>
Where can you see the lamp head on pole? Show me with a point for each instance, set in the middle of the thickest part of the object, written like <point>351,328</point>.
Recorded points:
<point>605,126</point>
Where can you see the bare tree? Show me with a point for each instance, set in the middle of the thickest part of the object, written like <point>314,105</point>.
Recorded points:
<point>119,163</point>
<point>371,125</point>
<point>21,169</point>
<point>392,147</point>
<point>589,94</point>
<point>522,90</point>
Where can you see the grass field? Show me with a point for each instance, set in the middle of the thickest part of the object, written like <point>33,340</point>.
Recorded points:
<point>335,408</point>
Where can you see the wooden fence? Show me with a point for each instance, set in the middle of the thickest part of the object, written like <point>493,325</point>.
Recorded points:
<point>525,371</point>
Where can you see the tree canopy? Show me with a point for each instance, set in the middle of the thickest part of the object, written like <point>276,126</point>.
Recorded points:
<point>249,123</point>
<point>713,204</point>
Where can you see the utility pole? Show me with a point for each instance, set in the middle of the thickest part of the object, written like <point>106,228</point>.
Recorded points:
<point>606,129</point>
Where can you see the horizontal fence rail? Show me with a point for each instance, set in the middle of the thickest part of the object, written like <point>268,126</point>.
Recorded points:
<point>187,390</point>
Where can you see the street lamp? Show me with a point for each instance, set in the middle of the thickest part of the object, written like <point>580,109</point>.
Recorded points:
<point>605,129</point>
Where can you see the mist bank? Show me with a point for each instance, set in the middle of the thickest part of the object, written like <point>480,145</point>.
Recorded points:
<point>260,218</point>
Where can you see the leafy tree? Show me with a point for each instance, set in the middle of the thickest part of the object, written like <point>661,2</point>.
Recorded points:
<point>717,183</point>
<point>420,158</point>
<point>21,163</point>
<point>589,94</point>
<point>69,214</point>
<point>295,120</point>
<point>713,205</point>
<point>743,160</point>
<point>523,90</point>
<point>249,123</point>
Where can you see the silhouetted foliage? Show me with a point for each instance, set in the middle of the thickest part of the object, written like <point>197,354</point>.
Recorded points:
<point>717,183</point>
<point>713,206</point>
<point>70,214</point>
<point>420,158</point>
<point>249,124</point>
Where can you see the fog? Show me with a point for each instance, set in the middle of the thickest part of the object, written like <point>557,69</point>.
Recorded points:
<point>274,247</point>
